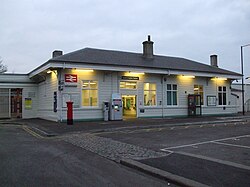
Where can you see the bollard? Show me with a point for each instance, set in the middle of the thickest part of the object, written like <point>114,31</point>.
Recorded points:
<point>69,113</point>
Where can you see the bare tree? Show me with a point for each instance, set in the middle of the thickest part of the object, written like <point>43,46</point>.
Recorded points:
<point>3,68</point>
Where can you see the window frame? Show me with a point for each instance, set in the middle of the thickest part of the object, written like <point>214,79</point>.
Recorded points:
<point>128,88</point>
<point>150,90</point>
<point>89,88</point>
<point>222,92</point>
<point>172,90</point>
<point>199,93</point>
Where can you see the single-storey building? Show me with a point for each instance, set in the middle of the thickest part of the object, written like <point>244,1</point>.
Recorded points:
<point>236,89</point>
<point>145,84</point>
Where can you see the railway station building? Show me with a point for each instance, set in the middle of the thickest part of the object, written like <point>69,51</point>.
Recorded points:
<point>149,86</point>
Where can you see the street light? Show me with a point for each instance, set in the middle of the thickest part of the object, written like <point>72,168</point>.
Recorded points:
<point>242,80</point>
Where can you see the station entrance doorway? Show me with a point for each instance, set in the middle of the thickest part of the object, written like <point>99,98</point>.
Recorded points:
<point>129,106</point>
<point>10,103</point>
<point>16,102</point>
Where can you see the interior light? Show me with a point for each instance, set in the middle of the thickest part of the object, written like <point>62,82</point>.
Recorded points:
<point>49,71</point>
<point>130,84</point>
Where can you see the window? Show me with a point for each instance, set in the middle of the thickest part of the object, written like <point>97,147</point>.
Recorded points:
<point>89,93</point>
<point>127,85</point>
<point>149,94</point>
<point>222,95</point>
<point>171,94</point>
<point>198,89</point>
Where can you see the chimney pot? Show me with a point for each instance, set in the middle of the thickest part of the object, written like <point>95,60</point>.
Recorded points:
<point>213,60</point>
<point>148,37</point>
<point>57,53</point>
<point>148,48</point>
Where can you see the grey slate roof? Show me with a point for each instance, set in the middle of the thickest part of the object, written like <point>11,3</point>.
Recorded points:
<point>128,59</point>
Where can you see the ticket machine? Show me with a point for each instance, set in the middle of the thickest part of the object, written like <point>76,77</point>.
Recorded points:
<point>116,107</point>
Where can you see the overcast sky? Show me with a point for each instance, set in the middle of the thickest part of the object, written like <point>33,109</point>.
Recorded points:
<point>30,30</point>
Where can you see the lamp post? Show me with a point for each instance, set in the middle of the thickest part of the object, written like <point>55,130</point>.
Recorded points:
<point>242,80</point>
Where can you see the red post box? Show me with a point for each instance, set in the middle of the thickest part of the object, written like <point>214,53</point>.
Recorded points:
<point>69,113</point>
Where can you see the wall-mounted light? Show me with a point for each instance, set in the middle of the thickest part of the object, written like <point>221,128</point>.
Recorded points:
<point>84,70</point>
<point>136,73</point>
<point>219,78</point>
<point>188,76</point>
<point>52,71</point>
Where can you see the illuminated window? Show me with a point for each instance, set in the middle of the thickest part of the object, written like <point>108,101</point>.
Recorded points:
<point>149,94</point>
<point>127,85</point>
<point>198,89</point>
<point>171,94</point>
<point>222,95</point>
<point>89,93</point>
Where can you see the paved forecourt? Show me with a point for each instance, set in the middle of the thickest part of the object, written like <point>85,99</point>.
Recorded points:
<point>28,159</point>
<point>215,154</point>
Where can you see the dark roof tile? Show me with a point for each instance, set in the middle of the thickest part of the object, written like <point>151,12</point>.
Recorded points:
<point>119,58</point>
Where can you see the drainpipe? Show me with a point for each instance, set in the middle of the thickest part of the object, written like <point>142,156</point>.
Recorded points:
<point>60,94</point>
<point>163,91</point>
<point>162,97</point>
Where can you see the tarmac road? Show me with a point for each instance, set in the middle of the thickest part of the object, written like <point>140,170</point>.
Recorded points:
<point>214,154</point>
<point>34,161</point>
<point>195,149</point>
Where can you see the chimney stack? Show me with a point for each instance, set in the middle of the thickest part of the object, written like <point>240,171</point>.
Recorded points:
<point>213,61</point>
<point>148,48</point>
<point>57,53</point>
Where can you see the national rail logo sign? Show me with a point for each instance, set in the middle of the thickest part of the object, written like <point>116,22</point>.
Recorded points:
<point>70,78</point>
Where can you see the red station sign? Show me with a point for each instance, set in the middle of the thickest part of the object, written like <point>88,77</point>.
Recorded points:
<point>71,78</point>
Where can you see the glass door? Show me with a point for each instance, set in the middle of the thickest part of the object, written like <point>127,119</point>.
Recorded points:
<point>129,106</point>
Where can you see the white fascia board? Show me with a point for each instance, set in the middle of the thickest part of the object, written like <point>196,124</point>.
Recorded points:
<point>17,85</point>
<point>201,74</point>
<point>40,69</point>
<point>109,68</point>
<point>67,65</point>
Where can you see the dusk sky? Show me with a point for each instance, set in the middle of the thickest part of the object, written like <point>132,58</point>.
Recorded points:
<point>30,30</point>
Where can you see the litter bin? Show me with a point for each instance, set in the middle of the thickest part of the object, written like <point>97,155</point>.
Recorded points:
<point>105,111</point>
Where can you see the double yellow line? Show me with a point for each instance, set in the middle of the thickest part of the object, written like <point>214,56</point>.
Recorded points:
<point>28,130</point>
<point>25,128</point>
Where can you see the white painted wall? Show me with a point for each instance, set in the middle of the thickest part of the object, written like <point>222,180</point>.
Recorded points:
<point>108,83</point>
<point>45,97</point>
<point>239,94</point>
<point>29,90</point>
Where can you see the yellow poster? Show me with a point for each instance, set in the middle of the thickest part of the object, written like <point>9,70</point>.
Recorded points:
<point>28,103</point>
